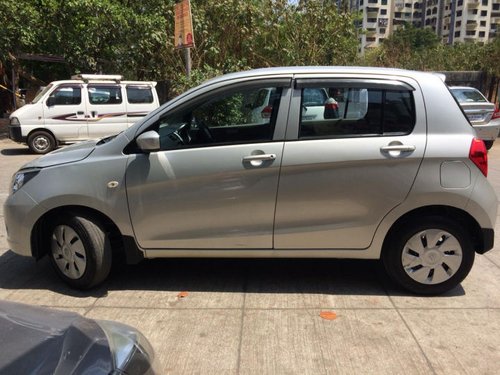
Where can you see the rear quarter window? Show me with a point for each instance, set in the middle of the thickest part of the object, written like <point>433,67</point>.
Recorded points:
<point>139,94</point>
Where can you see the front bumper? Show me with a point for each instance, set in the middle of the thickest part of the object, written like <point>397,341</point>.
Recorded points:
<point>19,220</point>
<point>16,135</point>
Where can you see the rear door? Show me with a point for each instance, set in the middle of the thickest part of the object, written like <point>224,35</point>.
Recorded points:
<point>342,174</point>
<point>107,114</point>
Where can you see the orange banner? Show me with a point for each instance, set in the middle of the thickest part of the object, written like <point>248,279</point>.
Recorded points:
<point>183,25</point>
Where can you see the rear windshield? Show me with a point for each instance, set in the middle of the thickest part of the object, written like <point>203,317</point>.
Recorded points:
<point>468,95</point>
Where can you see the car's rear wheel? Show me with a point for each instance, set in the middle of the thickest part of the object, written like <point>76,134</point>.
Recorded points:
<point>428,256</point>
<point>41,142</point>
<point>80,251</point>
<point>488,144</point>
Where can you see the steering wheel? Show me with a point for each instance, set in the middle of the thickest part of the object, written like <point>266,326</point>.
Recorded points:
<point>182,133</point>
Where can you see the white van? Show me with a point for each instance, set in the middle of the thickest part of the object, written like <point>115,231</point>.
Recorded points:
<point>87,106</point>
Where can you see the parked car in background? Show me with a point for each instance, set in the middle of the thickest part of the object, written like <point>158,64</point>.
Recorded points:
<point>397,174</point>
<point>483,115</point>
<point>38,340</point>
<point>314,104</point>
<point>89,106</point>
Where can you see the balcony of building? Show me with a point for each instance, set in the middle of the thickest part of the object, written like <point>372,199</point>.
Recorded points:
<point>371,45</point>
<point>473,3</point>
<point>370,32</point>
<point>371,12</point>
<point>471,25</point>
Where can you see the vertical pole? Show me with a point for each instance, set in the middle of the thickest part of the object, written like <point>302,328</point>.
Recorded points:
<point>14,86</point>
<point>187,57</point>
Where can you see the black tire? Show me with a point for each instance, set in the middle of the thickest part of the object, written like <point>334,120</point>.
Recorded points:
<point>95,258</point>
<point>488,144</point>
<point>392,255</point>
<point>41,142</point>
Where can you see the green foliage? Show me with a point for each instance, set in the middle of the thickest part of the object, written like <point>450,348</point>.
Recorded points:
<point>420,49</point>
<point>135,38</point>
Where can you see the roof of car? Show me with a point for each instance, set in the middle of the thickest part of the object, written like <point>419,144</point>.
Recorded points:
<point>316,70</point>
<point>462,88</point>
<point>109,82</point>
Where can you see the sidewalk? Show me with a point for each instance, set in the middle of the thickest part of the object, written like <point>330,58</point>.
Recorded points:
<point>263,316</point>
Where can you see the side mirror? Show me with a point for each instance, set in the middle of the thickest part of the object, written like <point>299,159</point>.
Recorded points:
<point>51,101</point>
<point>148,141</point>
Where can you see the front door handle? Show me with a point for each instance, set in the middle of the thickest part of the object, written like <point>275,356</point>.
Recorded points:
<point>261,157</point>
<point>400,148</point>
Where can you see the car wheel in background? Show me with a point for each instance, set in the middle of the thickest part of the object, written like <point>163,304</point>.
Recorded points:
<point>430,255</point>
<point>80,251</point>
<point>41,142</point>
<point>488,144</point>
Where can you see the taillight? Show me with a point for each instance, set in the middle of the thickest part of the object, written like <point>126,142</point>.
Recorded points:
<point>267,111</point>
<point>479,156</point>
<point>496,114</point>
<point>331,106</point>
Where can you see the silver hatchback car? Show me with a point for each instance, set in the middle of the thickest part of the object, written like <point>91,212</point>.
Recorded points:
<point>394,172</point>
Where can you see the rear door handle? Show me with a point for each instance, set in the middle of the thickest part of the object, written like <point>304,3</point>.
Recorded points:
<point>261,157</point>
<point>400,148</point>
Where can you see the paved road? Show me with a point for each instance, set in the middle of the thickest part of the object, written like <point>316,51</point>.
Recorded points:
<point>262,316</point>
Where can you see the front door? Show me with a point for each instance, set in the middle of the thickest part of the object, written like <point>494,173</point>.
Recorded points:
<point>64,112</point>
<point>213,185</point>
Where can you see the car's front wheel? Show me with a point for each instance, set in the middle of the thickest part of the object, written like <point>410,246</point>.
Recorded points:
<point>80,250</point>
<point>41,142</point>
<point>428,256</point>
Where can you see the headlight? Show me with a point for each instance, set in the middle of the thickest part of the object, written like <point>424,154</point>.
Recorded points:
<point>14,121</point>
<point>132,353</point>
<point>21,178</point>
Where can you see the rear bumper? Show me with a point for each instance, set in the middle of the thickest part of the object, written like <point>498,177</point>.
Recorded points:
<point>488,132</point>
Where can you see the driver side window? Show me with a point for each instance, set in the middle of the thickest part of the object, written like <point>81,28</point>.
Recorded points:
<point>243,116</point>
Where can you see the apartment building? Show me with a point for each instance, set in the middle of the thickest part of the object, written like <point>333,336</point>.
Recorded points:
<point>470,20</point>
<point>452,20</point>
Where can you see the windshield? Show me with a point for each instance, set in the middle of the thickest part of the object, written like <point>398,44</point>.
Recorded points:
<point>41,92</point>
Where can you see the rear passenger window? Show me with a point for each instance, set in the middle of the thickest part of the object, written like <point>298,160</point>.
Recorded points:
<point>336,112</point>
<point>139,94</point>
<point>104,94</point>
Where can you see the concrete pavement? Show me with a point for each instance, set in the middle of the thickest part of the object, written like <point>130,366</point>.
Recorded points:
<point>262,316</point>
